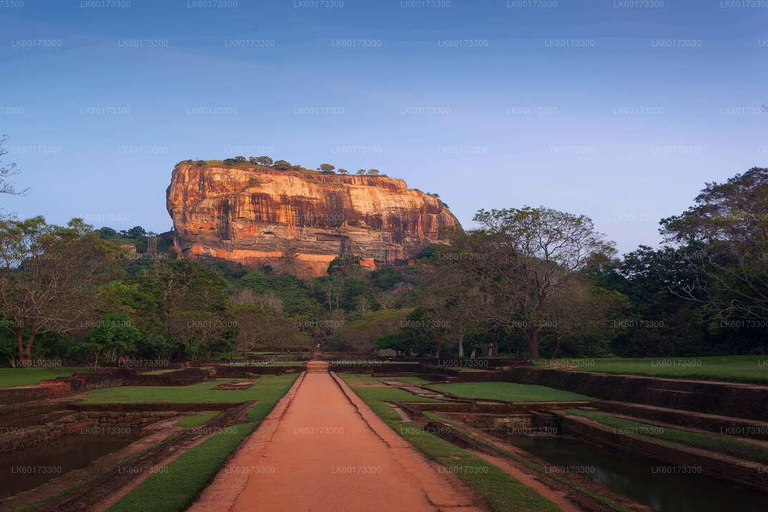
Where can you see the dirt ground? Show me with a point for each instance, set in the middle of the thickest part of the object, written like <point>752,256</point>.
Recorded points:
<point>322,449</point>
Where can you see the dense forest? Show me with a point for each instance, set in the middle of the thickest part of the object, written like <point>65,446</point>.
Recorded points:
<point>532,282</point>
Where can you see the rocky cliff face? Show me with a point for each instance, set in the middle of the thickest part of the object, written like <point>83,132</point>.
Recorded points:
<point>300,219</point>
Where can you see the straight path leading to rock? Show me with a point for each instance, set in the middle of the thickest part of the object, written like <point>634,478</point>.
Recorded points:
<point>322,449</point>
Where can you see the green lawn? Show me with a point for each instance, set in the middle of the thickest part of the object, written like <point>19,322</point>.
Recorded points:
<point>181,482</point>
<point>197,419</point>
<point>201,392</point>
<point>161,372</point>
<point>727,368</point>
<point>502,492</point>
<point>361,379</point>
<point>718,443</point>
<point>509,392</point>
<point>178,486</point>
<point>14,377</point>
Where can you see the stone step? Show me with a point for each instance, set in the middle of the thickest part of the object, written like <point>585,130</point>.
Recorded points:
<point>317,367</point>
<point>738,427</point>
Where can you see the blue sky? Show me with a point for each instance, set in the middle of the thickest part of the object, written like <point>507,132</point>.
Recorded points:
<point>620,110</point>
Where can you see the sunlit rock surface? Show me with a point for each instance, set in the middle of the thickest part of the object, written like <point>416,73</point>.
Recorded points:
<point>300,220</point>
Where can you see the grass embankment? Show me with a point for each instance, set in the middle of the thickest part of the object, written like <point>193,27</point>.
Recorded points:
<point>532,465</point>
<point>361,379</point>
<point>15,377</point>
<point>196,393</point>
<point>161,372</point>
<point>724,368</point>
<point>181,482</point>
<point>509,392</point>
<point>717,443</point>
<point>500,490</point>
<point>197,419</point>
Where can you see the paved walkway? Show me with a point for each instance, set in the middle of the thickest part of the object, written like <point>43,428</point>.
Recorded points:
<point>322,449</point>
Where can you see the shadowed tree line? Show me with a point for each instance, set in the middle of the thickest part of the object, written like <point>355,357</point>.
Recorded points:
<point>534,282</point>
<point>539,282</point>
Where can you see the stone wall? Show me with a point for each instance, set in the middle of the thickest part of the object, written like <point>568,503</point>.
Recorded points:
<point>84,423</point>
<point>722,398</point>
<point>55,388</point>
<point>750,474</point>
<point>250,371</point>
<point>183,377</point>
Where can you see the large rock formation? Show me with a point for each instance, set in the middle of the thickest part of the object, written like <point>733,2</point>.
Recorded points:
<point>300,219</point>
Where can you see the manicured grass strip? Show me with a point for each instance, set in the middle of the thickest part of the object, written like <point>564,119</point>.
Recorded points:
<point>161,372</point>
<point>197,420</point>
<point>502,492</point>
<point>390,394</point>
<point>15,377</point>
<point>360,379</point>
<point>722,444</point>
<point>271,391</point>
<point>196,393</point>
<point>178,485</point>
<point>725,368</point>
<point>509,391</point>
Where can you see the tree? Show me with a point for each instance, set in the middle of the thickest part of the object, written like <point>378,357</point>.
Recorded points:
<point>113,336</point>
<point>360,172</point>
<point>522,257</point>
<point>344,263</point>
<point>399,342</point>
<point>107,232</point>
<point>264,160</point>
<point>253,160</point>
<point>660,322</point>
<point>343,171</point>
<point>372,172</point>
<point>362,304</point>
<point>240,159</point>
<point>726,235</point>
<point>199,331</point>
<point>581,312</point>
<point>134,233</point>
<point>183,286</point>
<point>456,297</point>
<point>361,335</point>
<point>332,289</point>
<point>385,300</point>
<point>260,329</point>
<point>268,301</point>
<point>6,171</point>
<point>326,167</point>
<point>50,277</point>
<point>282,165</point>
